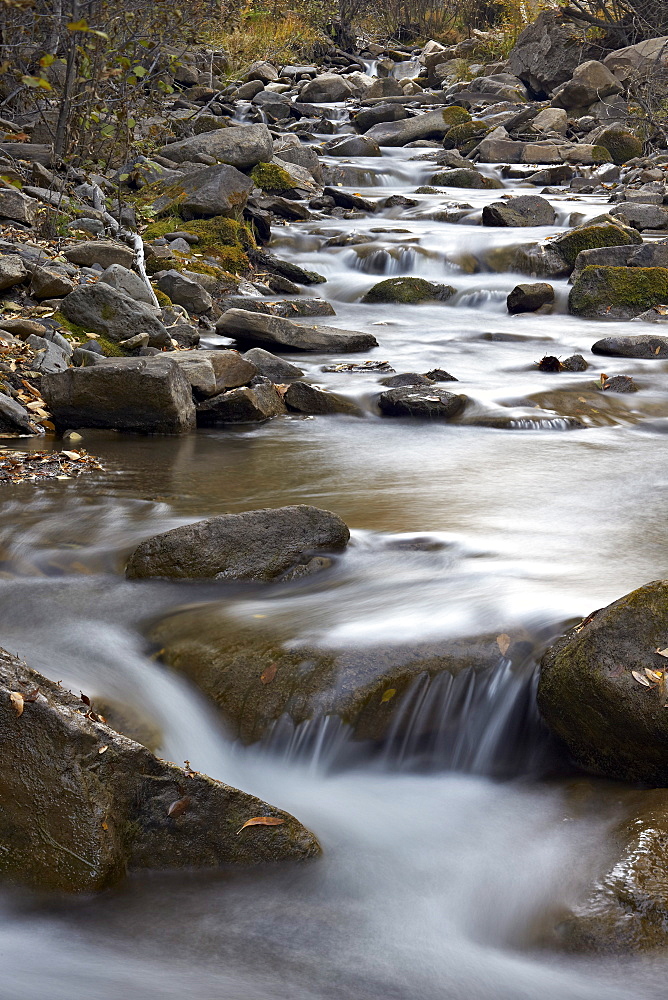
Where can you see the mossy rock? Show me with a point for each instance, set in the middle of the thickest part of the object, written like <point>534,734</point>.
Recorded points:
<point>454,115</point>
<point>465,177</point>
<point>621,144</point>
<point>466,136</point>
<point>588,695</point>
<point>570,244</point>
<point>272,178</point>
<point>407,290</point>
<point>258,672</point>
<point>224,240</point>
<point>599,154</point>
<point>617,292</point>
<point>109,347</point>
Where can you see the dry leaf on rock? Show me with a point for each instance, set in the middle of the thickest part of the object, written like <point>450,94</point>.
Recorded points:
<point>17,701</point>
<point>179,806</point>
<point>640,678</point>
<point>268,673</point>
<point>503,642</point>
<point>261,821</point>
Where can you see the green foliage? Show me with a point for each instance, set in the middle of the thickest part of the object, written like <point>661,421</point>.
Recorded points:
<point>272,178</point>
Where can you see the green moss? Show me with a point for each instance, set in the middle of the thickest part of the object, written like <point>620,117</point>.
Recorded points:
<point>589,238</point>
<point>455,115</point>
<point>163,300</point>
<point>407,290</point>
<point>466,136</point>
<point>224,240</point>
<point>621,144</point>
<point>600,154</point>
<point>110,348</point>
<point>272,178</point>
<point>618,292</point>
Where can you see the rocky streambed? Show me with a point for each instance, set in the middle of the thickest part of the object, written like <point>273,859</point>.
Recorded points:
<point>377,407</point>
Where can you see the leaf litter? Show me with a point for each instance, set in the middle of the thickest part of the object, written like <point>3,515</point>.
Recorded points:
<point>30,467</point>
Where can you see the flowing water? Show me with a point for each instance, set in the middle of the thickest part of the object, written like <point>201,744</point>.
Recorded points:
<point>445,864</point>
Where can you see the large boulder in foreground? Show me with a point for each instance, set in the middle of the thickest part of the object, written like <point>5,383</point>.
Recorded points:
<point>261,330</point>
<point>260,672</point>
<point>617,292</point>
<point>602,688</point>
<point>80,804</point>
<point>148,395</point>
<point>255,545</point>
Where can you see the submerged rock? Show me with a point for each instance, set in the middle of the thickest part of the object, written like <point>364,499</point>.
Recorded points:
<point>82,804</point>
<point>589,693</point>
<point>256,673</point>
<point>419,401</point>
<point>255,545</point>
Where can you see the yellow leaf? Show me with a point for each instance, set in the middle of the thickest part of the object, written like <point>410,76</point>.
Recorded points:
<point>654,675</point>
<point>503,642</point>
<point>80,25</point>
<point>17,701</point>
<point>388,695</point>
<point>261,821</point>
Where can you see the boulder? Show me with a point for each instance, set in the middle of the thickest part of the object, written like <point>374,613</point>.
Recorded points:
<point>259,672</point>
<point>643,345</point>
<point>198,370</point>
<point>432,403</point>
<point>639,62</point>
<point>212,191</point>
<point>255,545</point>
<point>530,298</point>
<point>17,206</point>
<point>148,395</point>
<point>185,292</point>
<point>641,216</point>
<point>464,177</point>
<point>620,143</point>
<point>644,255</point>
<point>263,71</point>
<point>625,907</point>
<point>103,252</point>
<point>48,357</point>
<point>47,284</point>
<point>258,329</point>
<point>81,804</point>
<point>590,697</point>
<point>547,53</point>
<point>304,398</point>
<point>127,282</point>
<point>325,89</point>
<point>257,402</point>
<point>286,269</point>
<point>551,120</point>
<point>102,309</point>
<point>591,81</point>
<point>526,210</point>
<point>276,369</point>
<point>353,145</point>
<point>383,87</point>
<point>14,418</point>
<point>12,271</point>
<point>289,308</point>
<point>617,292</point>
<point>240,146</point>
<point>408,290</point>
<point>230,368</point>
<point>568,245</point>
<point>368,117</point>
<point>431,125</point>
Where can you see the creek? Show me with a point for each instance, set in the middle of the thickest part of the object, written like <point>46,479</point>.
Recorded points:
<point>440,876</point>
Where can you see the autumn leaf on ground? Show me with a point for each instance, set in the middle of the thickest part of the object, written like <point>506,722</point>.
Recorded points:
<point>17,701</point>
<point>662,652</point>
<point>388,695</point>
<point>261,821</point>
<point>656,676</point>
<point>179,806</point>
<point>640,678</point>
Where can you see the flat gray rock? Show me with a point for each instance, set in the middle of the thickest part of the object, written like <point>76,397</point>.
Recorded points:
<point>273,331</point>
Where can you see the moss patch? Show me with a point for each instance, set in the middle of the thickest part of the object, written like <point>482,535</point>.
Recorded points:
<point>621,144</point>
<point>454,115</point>
<point>272,178</point>
<point>618,292</point>
<point>110,348</point>
<point>466,136</point>
<point>589,238</point>
<point>407,290</point>
<point>225,240</point>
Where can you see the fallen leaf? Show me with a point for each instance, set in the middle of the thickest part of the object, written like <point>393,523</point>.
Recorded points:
<point>268,673</point>
<point>105,826</point>
<point>656,676</point>
<point>17,701</point>
<point>640,678</point>
<point>74,455</point>
<point>179,806</point>
<point>85,699</point>
<point>103,749</point>
<point>261,821</point>
<point>662,652</point>
<point>503,642</point>
<point>388,695</point>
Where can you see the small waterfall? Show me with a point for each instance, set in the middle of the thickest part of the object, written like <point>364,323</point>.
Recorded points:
<point>477,723</point>
<point>383,261</point>
<point>487,299</point>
